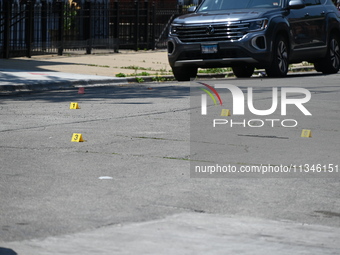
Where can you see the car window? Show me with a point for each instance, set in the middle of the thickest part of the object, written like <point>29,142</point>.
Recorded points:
<point>264,3</point>
<point>312,2</point>
<point>215,5</point>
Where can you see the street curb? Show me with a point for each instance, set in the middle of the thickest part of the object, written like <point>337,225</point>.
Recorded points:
<point>44,86</point>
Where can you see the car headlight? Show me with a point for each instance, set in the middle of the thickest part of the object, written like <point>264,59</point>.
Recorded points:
<point>257,25</point>
<point>173,29</point>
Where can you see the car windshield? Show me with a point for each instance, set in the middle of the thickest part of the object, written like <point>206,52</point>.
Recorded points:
<point>218,5</point>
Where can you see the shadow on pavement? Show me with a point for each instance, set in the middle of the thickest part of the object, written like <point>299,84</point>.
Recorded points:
<point>12,71</point>
<point>30,64</point>
<point>107,92</point>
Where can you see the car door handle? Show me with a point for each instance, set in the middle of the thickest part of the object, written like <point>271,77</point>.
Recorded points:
<point>307,14</point>
<point>323,13</point>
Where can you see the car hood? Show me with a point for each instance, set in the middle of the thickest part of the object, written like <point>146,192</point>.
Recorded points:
<point>216,17</point>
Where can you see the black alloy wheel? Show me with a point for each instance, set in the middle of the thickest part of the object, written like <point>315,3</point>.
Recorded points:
<point>280,64</point>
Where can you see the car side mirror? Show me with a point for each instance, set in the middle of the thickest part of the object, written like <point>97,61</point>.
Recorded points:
<point>192,9</point>
<point>296,4</point>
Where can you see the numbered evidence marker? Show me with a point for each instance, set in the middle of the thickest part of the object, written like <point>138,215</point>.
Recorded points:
<point>306,133</point>
<point>74,106</point>
<point>77,138</point>
<point>225,112</point>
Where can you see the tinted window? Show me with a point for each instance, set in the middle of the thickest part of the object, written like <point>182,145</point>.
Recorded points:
<point>215,5</point>
<point>312,2</point>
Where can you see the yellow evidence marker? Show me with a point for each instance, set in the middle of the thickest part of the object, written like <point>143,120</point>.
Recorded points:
<point>77,138</point>
<point>306,133</point>
<point>225,112</point>
<point>74,106</point>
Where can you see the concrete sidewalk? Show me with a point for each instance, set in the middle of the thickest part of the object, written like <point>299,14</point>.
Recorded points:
<point>55,72</point>
<point>189,233</point>
<point>48,72</point>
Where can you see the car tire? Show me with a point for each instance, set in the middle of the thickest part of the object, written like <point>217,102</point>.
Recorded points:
<point>318,66</point>
<point>331,63</point>
<point>244,71</point>
<point>279,65</point>
<point>184,73</point>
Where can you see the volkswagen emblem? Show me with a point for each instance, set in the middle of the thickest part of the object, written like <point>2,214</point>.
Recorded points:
<point>209,30</point>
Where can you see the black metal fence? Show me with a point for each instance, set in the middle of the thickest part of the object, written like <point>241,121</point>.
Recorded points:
<point>33,27</point>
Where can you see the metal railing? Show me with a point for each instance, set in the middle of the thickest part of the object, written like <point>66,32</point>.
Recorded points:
<point>33,27</point>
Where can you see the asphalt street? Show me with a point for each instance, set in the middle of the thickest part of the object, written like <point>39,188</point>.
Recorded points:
<point>127,188</point>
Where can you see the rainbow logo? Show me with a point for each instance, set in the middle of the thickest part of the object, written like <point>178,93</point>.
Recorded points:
<point>204,97</point>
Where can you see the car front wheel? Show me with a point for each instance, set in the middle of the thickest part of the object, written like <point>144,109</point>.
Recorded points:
<point>184,73</point>
<point>331,63</point>
<point>279,65</point>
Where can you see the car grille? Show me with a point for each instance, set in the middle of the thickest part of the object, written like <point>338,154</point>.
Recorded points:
<point>222,53</point>
<point>214,32</point>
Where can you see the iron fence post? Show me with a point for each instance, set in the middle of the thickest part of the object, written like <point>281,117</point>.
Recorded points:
<point>88,26</point>
<point>136,32</point>
<point>180,9</point>
<point>61,28</point>
<point>7,28</point>
<point>116,27</point>
<point>43,24</point>
<point>146,25</point>
<point>153,40</point>
<point>29,14</point>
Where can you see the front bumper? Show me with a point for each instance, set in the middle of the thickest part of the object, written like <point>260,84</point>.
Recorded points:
<point>251,49</point>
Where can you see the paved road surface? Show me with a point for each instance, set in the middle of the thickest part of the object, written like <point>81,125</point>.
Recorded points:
<point>127,189</point>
